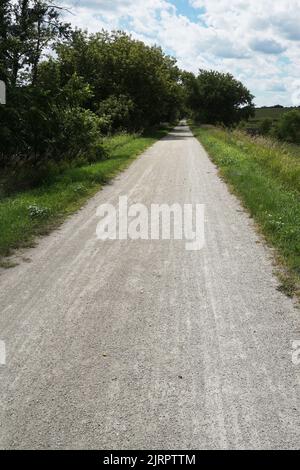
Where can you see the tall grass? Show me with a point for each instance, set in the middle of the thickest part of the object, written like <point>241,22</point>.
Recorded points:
<point>272,155</point>
<point>267,179</point>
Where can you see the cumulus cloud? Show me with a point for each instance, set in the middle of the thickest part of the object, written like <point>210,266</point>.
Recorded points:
<point>256,41</point>
<point>266,46</point>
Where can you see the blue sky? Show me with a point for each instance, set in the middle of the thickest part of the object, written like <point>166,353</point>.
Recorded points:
<point>258,41</point>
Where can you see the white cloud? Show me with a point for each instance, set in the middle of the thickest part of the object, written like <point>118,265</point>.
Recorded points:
<point>257,41</point>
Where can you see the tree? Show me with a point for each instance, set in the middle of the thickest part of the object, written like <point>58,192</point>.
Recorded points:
<point>27,28</point>
<point>5,11</point>
<point>117,66</point>
<point>44,118</point>
<point>48,28</point>
<point>216,97</point>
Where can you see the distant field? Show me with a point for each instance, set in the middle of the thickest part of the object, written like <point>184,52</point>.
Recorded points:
<point>271,113</point>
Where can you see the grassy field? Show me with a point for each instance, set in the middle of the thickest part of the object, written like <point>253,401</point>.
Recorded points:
<point>267,113</point>
<point>272,113</point>
<point>25,214</point>
<point>266,177</point>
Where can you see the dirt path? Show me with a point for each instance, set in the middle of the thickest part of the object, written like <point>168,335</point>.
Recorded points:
<point>143,344</point>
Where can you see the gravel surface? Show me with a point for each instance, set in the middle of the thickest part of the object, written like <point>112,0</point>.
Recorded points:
<point>137,344</point>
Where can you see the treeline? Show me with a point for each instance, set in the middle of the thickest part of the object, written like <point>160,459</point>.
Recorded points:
<point>59,107</point>
<point>89,86</point>
<point>217,98</point>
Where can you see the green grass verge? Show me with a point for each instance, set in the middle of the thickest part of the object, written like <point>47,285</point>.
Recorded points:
<point>25,214</point>
<point>267,179</point>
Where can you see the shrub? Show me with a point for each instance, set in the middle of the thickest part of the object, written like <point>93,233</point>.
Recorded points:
<point>116,113</point>
<point>265,126</point>
<point>78,135</point>
<point>288,127</point>
<point>38,127</point>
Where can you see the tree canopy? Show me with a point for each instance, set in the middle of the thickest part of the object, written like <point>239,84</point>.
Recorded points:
<point>216,97</point>
<point>124,74</point>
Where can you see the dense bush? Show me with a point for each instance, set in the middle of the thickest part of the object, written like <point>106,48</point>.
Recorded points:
<point>39,124</point>
<point>117,113</point>
<point>265,126</point>
<point>288,127</point>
